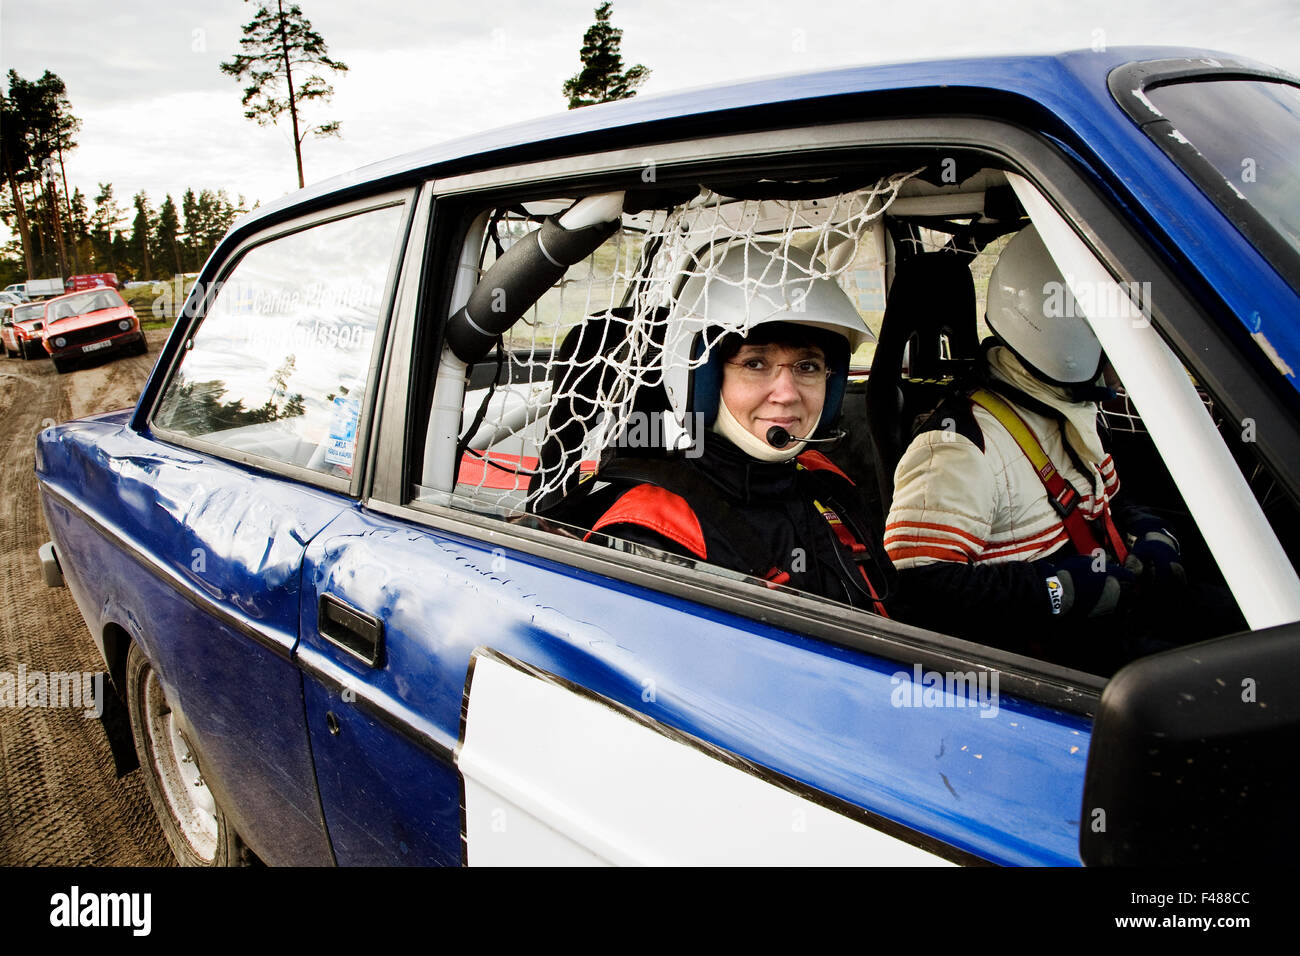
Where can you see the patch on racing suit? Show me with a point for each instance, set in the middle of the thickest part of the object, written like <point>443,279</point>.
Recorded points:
<point>1055,593</point>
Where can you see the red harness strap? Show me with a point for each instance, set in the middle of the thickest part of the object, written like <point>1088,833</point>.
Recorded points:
<point>856,548</point>
<point>1083,534</point>
<point>815,461</point>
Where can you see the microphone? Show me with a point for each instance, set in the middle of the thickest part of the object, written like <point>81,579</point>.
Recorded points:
<point>778,437</point>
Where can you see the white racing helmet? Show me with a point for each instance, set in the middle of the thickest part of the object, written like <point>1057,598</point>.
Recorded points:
<point>1031,309</point>
<point>736,287</point>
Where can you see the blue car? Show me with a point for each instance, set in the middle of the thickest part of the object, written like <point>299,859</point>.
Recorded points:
<point>337,563</point>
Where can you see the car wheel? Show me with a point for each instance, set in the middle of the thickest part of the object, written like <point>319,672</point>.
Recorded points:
<point>193,823</point>
<point>60,365</point>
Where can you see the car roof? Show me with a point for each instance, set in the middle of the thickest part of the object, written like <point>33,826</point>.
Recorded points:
<point>1069,85</point>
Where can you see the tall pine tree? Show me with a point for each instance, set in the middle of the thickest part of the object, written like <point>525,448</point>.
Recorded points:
<point>103,223</point>
<point>167,228</point>
<point>278,47</point>
<point>38,128</point>
<point>602,77</point>
<point>141,232</point>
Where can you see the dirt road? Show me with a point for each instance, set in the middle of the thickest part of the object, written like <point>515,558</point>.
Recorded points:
<point>60,802</point>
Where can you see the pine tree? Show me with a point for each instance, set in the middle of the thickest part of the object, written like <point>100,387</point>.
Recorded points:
<point>38,126</point>
<point>188,251</point>
<point>167,228</point>
<point>277,46</point>
<point>120,254</point>
<point>78,227</point>
<point>103,223</point>
<point>15,157</point>
<point>141,231</point>
<point>602,77</point>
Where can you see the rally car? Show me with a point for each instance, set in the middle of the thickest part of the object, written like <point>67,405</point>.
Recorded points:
<point>95,322</point>
<point>350,617</point>
<point>22,331</point>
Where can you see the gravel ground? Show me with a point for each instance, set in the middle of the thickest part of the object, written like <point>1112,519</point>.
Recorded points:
<point>60,801</point>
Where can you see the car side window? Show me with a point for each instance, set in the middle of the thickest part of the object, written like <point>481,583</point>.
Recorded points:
<point>579,379</point>
<point>277,368</point>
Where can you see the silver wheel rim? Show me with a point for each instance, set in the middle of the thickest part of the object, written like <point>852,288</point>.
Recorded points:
<point>177,772</point>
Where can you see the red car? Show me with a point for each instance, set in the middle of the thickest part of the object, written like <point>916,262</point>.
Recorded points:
<point>22,335</point>
<point>82,323</point>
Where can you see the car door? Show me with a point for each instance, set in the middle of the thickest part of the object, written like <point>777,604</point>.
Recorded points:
<point>258,421</point>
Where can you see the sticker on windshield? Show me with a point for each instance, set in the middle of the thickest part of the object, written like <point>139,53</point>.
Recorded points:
<point>343,432</point>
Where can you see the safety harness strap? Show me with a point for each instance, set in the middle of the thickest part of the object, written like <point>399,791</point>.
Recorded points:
<point>1065,499</point>
<point>857,549</point>
<point>827,482</point>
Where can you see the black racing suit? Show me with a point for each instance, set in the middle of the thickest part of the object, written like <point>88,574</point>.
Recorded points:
<point>761,518</point>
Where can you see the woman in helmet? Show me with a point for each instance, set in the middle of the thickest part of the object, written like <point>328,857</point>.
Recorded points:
<point>1004,525</point>
<point>756,498</point>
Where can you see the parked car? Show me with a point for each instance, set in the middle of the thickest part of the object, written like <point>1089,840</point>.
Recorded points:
<point>329,560</point>
<point>19,289</point>
<point>97,322</point>
<point>23,337</point>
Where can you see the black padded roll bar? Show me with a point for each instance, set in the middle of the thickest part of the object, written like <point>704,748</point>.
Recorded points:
<point>517,280</point>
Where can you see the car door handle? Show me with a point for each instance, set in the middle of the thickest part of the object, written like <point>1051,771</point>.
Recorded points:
<point>358,633</point>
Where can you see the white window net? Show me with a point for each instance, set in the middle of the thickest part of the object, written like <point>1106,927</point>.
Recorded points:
<point>600,363</point>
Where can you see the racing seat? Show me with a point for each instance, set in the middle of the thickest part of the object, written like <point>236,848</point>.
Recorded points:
<point>928,335</point>
<point>583,370</point>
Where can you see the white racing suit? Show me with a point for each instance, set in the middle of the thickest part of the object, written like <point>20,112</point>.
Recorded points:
<point>970,515</point>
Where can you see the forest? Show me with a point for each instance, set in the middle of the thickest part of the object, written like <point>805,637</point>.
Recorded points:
<point>62,232</point>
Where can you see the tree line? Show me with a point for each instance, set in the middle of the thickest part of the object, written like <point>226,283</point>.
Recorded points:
<point>60,233</point>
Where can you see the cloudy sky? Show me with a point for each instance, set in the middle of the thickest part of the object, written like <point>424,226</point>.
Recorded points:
<point>159,115</point>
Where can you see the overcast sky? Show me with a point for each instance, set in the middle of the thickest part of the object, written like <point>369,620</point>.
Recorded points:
<point>159,115</point>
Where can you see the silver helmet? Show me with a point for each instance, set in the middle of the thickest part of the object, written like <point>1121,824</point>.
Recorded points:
<point>1031,309</point>
<point>736,287</point>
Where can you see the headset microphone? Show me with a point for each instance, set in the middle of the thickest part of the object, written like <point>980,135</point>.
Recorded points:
<point>778,437</point>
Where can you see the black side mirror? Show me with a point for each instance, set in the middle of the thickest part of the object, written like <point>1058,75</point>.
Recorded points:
<point>37,326</point>
<point>1193,756</point>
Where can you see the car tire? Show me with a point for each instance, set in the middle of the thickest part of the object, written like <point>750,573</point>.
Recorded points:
<point>195,827</point>
<point>60,365</point>
<point>142,347</point>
